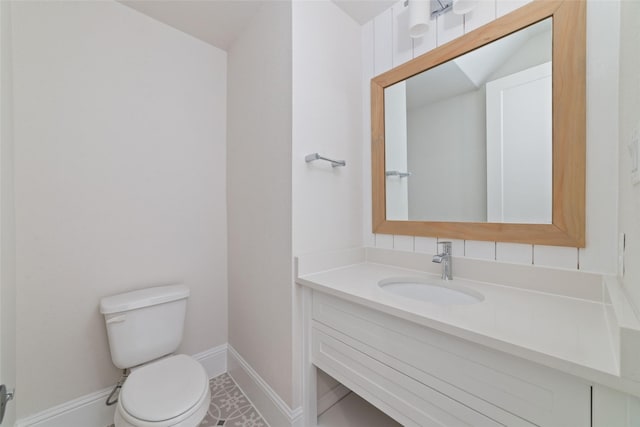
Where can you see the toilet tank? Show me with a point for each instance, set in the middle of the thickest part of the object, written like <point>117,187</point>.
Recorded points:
<point>144,325</point>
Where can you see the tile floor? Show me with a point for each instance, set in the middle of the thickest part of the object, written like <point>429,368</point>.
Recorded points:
<point>229,406</point>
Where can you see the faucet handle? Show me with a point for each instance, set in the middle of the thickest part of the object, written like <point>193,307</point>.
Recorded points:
<point>446,247</point>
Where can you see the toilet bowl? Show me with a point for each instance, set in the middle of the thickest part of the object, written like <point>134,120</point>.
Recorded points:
<point>145,328</point>
<point>172,392</point>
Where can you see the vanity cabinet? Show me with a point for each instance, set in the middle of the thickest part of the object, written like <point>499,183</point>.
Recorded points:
<point>422,377</point>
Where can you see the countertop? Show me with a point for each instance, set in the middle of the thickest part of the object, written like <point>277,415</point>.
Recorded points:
<point>567,333</point>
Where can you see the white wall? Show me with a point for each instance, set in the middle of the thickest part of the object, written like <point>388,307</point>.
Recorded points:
<point>396,145</point>
<point>452,184</point>
<point>384,41</point>
<point>120,184</point>
<point>259,197</point>
<point>327,108</point>
<point>630,123</point>
<point>280,206</point>
<point>7,218</point>
<point>327,118</point>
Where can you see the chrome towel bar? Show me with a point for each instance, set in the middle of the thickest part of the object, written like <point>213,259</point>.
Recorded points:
<point>316,156</point>
<point>398,174</point>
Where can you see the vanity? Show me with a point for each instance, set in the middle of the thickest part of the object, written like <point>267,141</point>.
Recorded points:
<point>459,152</point>
<point>498,354</point>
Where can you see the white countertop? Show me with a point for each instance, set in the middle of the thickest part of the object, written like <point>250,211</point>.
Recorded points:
<point>563,332</point>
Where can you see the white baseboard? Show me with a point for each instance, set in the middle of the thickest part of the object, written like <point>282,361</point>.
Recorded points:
<point>214,360</point>
<point>272,408</point>
<point>91,411</point>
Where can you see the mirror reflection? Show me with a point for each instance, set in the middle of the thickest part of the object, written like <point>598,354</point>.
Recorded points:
<point>471,139</point>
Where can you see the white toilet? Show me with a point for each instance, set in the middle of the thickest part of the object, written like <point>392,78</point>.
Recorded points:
<point>163,390</point>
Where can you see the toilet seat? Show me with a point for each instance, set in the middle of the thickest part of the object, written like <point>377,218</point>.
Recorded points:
<point>172,392</point>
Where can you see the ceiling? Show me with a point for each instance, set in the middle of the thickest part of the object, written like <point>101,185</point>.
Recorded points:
<point>217,22</point>
<point>363,10</point>
<point>220,22</point>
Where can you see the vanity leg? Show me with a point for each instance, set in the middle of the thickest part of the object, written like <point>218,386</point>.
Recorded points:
<point>309,371</point>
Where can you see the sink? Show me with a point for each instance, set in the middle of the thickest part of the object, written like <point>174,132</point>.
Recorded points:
<point>436,291</point>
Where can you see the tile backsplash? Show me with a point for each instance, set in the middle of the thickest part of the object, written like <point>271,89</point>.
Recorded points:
<point>541,255</point>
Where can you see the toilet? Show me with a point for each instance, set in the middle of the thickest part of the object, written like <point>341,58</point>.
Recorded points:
<point>162,390</point>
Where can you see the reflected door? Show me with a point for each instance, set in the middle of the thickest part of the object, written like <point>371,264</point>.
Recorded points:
<point>519,147</point>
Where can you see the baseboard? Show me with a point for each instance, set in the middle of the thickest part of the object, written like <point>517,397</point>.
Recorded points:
<point>214,360</point>
<point>272,408</point>
<point>91,411</point>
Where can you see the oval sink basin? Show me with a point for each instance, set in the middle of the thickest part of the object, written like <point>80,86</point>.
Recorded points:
<point>435,291</point>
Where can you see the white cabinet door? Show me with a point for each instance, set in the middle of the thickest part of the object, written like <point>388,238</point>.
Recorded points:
<point>406,399</point>
<point>416,371</point>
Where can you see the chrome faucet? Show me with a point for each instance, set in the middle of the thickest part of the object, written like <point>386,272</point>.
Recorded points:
<point>444,258</point>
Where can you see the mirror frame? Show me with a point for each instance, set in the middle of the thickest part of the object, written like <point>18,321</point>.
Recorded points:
<point>569,129</point>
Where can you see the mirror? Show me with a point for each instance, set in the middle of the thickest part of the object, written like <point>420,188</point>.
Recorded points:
<point>484,138</point>
<point>470,139</point>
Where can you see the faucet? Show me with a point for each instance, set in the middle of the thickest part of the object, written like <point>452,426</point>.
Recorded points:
<point>444,258</point>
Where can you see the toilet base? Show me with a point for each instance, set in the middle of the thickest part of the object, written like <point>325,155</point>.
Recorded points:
<point>192,420</point>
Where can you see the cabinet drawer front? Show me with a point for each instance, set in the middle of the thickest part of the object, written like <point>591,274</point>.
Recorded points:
<point>507,389</point>
<point>408,401</point>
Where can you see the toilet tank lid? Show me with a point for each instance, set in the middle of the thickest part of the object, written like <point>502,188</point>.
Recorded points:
<point>142,298</point>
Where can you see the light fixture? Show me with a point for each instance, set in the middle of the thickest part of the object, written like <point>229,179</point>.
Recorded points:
<point>418,18</point>
<point>438,7</point>
<point>459,7</point>
<point>419,12</point>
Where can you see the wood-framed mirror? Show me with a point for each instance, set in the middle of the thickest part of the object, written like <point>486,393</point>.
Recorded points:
<point>435,198</point>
